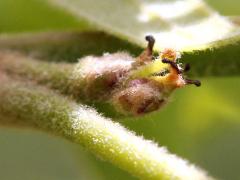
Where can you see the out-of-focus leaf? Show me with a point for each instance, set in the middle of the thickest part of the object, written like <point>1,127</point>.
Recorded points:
<point>65,46</point>
<point>31,155</point>
<point>235,19</point>
<point>35,15</point>
<point>226,7</point>
<point>70,46</point>
<point>183,24</point>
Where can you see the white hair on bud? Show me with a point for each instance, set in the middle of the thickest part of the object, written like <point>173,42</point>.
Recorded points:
<point>99,65</point>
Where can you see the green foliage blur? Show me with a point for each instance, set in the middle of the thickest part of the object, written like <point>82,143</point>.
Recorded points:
<point>199,124</point>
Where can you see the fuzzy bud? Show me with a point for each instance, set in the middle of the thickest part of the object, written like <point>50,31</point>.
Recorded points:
<point>133,86</point>
<point>94,78</point>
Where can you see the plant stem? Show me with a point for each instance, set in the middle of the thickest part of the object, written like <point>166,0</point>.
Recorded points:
<point>54,75</point>
<point>40,108</point>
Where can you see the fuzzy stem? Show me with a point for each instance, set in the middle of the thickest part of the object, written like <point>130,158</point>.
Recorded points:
<point>61,77</point>
<point>54,75</point>
<point>40,108</point>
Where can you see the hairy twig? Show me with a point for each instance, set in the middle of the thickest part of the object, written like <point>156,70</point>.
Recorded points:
<point>40,108</point>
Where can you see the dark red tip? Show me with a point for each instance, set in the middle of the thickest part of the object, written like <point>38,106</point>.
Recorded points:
<point>150,39</point>
<point>195,82</point>
<point>187,68</point>
<point>173,64</point>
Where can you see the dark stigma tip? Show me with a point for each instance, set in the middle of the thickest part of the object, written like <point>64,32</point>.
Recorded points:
<point>150,38</point>
<point>195,82</point>
<point>187,68</point>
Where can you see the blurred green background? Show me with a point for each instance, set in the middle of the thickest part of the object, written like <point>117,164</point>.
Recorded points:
<point>199,124</point>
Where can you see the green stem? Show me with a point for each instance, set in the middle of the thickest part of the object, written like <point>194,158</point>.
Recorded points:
<point>40,108</point>
<point>54,75</point>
